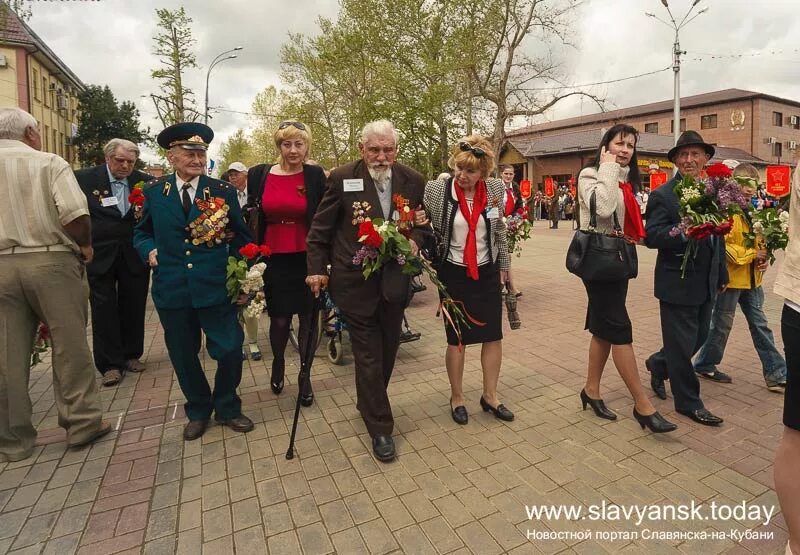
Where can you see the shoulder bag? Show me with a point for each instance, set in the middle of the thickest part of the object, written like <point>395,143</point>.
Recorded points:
<point>256,220</point>
<point>595,256</point>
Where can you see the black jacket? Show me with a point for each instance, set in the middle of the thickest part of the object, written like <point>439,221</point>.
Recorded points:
<point>313,177</point>
<point>111,232</point>
<point>705,273</point>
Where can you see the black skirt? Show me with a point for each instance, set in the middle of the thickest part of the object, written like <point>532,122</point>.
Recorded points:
<point>285,285</point>
<point>790,331</point>
<point>481,298</point>
<point>606,315</point>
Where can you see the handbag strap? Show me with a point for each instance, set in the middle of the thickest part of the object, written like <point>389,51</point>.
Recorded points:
<point>593,214</point>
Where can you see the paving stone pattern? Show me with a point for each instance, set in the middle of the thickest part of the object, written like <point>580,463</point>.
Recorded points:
<point>452,489</point>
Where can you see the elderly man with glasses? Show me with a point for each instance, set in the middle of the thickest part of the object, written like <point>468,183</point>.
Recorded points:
<point>118,279</point>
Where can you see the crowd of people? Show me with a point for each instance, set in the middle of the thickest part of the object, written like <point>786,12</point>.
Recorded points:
<point>84,239</point>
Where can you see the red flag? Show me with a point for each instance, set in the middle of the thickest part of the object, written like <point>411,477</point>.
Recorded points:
<point>657,179</point>
<point>525,189</point>
<point>549,188</point>
<point>778,178</point>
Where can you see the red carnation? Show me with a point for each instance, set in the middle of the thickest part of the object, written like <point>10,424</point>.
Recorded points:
<point>264,250</point>
<point>723,229</point>
<point>250,250</point>
<point>718,170</point>
<point>700,232</point>
<point>136,197</point>
<point>368,235</point>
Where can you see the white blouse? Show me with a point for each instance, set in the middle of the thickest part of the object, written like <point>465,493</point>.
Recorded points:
<point>458,237</point>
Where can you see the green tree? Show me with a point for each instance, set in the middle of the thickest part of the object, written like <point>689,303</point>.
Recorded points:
<point>101,119</point>
<point>268,110</point>
<point>237,148</point>
<point>173,44</point>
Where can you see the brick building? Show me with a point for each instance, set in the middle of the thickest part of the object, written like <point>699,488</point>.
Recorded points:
<point>33,78</point>
<point>743,125</point>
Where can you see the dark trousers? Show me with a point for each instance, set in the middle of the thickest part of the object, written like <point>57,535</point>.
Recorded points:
<point>224,338</point>
<point>118,299</point>
<point>790,331</point>
<point>684,329</point>
<point>375,340</point>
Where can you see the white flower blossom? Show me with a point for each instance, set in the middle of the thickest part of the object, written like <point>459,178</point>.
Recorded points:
<point>255,308</point>
<point>785,228</point>
<point>758,227</point>
<point>689,193</point>
<point>383,228</point>
<point>784,217</point>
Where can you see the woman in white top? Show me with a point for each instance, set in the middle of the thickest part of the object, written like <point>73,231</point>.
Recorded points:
<point>467,212</point>
<point>612,180</point>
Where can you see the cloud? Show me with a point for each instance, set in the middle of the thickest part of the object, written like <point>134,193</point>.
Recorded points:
<point>110,41</point>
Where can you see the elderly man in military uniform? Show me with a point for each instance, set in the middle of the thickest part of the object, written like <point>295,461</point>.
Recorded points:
<point>189,266</point>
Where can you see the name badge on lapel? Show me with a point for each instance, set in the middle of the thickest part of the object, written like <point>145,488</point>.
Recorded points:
<point>493,213</point>
<point>109,201</point>
<point>353,185</point>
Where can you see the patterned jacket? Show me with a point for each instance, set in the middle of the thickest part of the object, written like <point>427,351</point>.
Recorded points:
<point>435,192</point>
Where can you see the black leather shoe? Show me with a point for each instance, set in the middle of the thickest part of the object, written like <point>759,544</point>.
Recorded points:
<point>307,396</point>
<point>702,416</point>
<point>383,447</point>
<point>656,383</point>
<point>655,422</point>
<point>194,429</point>
<point>500,411</point>
<point>459,413</point>
<point>238,424</point>
<point>276,378</point>
<point>598,406</point>
<point>256,355</point>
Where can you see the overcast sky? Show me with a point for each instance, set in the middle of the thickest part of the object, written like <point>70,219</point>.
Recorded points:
<point>109,42</point>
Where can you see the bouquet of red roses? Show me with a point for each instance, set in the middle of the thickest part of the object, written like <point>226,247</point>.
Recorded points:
<point>706,207</point>
<point>136,199</point>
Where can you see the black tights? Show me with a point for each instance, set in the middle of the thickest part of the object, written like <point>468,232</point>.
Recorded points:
<point>279,337</point>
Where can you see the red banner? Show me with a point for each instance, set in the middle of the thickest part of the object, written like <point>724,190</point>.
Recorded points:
<point>778,180</point>
<point>657,179</point>
<point>549,187</point>
<point>525,189</point>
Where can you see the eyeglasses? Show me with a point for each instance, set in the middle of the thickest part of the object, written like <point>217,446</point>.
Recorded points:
<point>476,150</point>
<point>297,124</point>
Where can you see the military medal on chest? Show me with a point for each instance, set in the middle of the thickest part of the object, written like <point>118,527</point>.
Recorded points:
<point>209,227</point>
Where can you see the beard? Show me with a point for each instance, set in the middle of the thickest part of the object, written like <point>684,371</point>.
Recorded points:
<point>381,174</point>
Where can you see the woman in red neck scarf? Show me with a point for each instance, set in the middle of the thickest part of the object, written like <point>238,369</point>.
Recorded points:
<point>467,211</point>
<point>613,179</point>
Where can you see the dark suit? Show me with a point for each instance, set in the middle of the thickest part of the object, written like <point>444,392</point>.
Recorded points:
<point>372,308</point>
<point>685,303</point>
<point>118,280</point>
<point>517,197</point>
<point>190,296</point>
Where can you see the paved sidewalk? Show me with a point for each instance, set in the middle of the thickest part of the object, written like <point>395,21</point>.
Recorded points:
<point>452,489</point>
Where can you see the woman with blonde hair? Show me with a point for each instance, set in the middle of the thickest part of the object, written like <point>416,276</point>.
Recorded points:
<point>467,212</point>
<point>288,193</point>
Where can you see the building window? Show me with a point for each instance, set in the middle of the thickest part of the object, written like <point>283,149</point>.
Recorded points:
<point>36,94</point>
<point>777,119</point>
<point>708,122</point>
<point>45,92</point>
<point>672,125</point>
<point>651,128</point>
<point>777,149</point>
<point>46,138</point>
<point>56,146</point>
<point>794,121</point>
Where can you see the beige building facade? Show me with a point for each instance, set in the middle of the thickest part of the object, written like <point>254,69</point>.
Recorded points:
<point>33,78</point>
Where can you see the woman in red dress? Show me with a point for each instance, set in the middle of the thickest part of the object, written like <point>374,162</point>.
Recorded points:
<point>288,192</point>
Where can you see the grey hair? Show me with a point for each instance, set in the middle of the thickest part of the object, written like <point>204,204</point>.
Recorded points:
<point>112,146</point>
<point>14,122</point>
<point>380,127</point>
<point>444,176</point>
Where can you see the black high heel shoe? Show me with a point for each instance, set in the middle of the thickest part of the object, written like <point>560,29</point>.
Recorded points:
<point>307,396</point>
<point>657,423</point>
<point>598,406</point>
<point>275,383</point>
<point>500,412</point>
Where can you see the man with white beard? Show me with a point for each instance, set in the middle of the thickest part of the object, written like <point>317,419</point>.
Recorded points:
<point>372,308</point>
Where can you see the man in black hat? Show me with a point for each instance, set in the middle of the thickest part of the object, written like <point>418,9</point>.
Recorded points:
<point>189,266</point>
<point>685,303</point>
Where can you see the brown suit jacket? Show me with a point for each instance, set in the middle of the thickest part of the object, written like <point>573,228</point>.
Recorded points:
<point>332,239</point>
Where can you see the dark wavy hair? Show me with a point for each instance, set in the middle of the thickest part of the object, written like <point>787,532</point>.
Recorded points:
<point>634,178</point>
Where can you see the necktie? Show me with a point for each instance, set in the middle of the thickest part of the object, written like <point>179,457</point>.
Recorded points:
<point>187,201</point>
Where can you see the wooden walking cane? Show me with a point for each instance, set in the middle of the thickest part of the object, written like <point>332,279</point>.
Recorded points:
<point>308,348</point>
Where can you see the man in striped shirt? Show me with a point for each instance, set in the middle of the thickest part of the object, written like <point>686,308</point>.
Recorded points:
<point>45,242</point>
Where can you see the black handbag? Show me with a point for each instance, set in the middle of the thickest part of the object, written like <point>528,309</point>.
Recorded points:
<point>595,256</point>
<point>256,221</point>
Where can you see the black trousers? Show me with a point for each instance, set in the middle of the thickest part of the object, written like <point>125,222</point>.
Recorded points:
<point>375,340</point>
<point>684,329</point>
<point>118,299</point>
<point>790,331</point>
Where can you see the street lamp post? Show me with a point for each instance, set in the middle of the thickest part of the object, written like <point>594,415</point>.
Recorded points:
<point>217,60</point>
<point>676,57</point>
